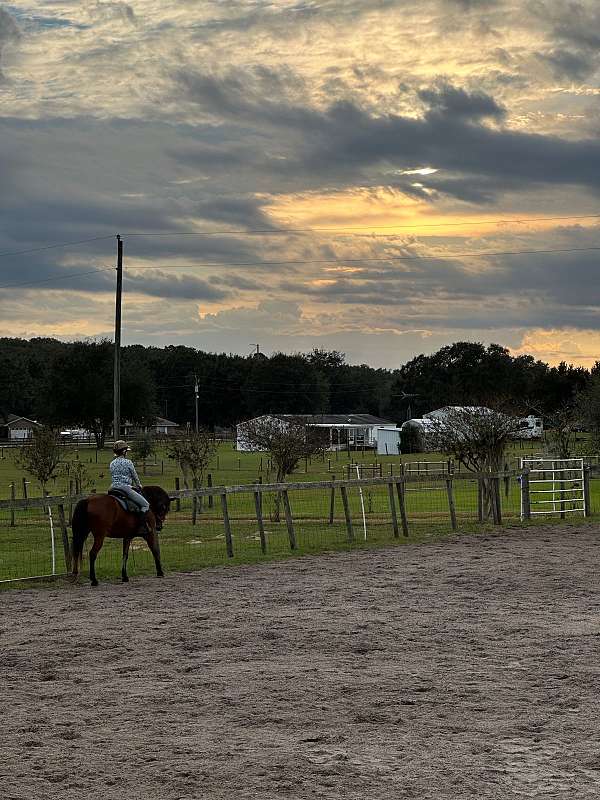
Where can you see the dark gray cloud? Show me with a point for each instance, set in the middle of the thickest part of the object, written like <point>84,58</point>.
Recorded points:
<point>456,103</point>
<point>346,144</point>
<point>172,286</point>
<point>575,66</point>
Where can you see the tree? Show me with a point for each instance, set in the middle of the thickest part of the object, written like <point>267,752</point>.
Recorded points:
<point>287,439</point>
<point>143,447</point>
<point>80,390</point>
<point>285,384</point>
<point>477,437</point>
<point>587,405</point>
<point>41,456</point>
<point>192,452</point>
<point>562,433</point>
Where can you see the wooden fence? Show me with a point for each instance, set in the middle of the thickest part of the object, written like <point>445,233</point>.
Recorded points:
<point>399,493</point>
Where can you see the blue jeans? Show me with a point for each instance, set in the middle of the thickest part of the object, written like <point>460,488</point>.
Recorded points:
<point>136,497</point>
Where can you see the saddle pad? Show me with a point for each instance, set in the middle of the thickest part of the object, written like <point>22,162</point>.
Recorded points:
<point>125,503</point>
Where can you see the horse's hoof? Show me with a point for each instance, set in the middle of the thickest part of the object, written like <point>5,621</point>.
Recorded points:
<point>124,580</point>
<point>94,583</point>
<point>160,574</point>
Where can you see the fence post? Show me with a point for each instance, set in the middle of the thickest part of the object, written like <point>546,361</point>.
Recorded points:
<point>65,538</point>
<point>260,521</point>
<point>393,510</point>
<point>525,498</point>
<point>194,502</point>
<point>332,501</point>
<point>497,500</point>
<point>346,505</point>
<point>227,525</point>
<point>480,499</point>
<point>586,492</point>
<point>450,493</point>
<point>13,496</point>
<point>178,501</point>
<point>506,481</point>
<point>211,499</point>
<point>288,519</point>
<point>400,486</point>
<point>25,482</point>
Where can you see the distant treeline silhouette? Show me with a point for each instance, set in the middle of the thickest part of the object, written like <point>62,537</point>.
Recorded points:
<point>70,383</point>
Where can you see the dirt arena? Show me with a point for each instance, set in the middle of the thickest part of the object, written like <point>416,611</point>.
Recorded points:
<point>465,668</point>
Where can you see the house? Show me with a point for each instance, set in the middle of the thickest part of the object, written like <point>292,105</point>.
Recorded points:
<point>164,427</point>
<point>346,431</point>
<point>17,428</point>
<point>160,426</point>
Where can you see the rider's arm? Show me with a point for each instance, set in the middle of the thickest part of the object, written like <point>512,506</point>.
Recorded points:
<point>134,476</point>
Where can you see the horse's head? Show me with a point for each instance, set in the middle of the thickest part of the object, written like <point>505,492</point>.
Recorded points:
<point>160,503</point>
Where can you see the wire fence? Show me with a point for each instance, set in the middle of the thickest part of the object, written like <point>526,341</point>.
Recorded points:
<point>241,524</point>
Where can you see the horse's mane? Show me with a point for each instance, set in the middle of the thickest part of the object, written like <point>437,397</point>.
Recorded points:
<point>156,495</point>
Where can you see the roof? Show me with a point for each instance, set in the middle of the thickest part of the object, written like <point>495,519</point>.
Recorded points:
<point>11,419</point>
<point>165,423</point>
<point>441,412</point>
<point>336,420</point>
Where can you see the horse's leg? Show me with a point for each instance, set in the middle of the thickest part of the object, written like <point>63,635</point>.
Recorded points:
<point>124,576</point>
<point>152,542</point>
<point>95,549</point>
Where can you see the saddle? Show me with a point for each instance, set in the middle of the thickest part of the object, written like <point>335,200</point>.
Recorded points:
<point>124,501</point>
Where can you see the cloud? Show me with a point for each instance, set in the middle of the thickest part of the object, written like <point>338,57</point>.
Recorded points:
<point>453,102</point>
<point>9,34</point>
<point>173,286</point>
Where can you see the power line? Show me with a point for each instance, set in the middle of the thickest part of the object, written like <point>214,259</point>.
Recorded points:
<point>277,231</point>
<point>55,278</point>
<point>485,254</point>
<point>53,246</point>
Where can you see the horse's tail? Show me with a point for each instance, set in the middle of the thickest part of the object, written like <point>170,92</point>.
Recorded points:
<point>81,528</point>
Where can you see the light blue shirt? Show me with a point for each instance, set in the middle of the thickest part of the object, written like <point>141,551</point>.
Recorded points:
<point>123,472</point>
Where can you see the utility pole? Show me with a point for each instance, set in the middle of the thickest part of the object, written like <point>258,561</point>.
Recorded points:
<point>196,390</point>
<point>117,367</point>
<point>257,348</point>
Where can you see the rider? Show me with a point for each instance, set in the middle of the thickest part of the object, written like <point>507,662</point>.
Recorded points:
<point>125,478</point>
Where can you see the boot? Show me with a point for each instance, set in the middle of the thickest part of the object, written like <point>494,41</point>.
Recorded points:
<point>148,524</point>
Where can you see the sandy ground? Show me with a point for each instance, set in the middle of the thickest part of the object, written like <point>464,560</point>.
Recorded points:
<point>467,668</point>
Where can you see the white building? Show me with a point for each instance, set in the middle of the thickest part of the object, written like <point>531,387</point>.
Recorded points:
<point>352,431</point>
<point>18,428</point>
<point>388,441</point>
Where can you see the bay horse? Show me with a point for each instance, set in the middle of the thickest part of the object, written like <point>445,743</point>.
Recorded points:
<point>103,516</point>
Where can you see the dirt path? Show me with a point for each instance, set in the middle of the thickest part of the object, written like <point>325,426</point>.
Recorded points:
<point>468,668</point>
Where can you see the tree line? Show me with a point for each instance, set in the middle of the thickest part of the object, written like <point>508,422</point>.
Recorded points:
<point>70,383</point>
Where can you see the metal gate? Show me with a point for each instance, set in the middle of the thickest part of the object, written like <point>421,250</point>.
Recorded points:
<point>556,486</point>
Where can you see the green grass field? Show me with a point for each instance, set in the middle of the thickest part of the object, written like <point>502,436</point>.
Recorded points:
<point>25,547</point>
<point>227,468</point>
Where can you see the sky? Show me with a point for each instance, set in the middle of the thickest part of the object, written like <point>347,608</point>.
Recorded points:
<point>380,178</point>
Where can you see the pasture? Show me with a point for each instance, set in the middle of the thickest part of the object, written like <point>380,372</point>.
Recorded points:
<point>227,467</point>
<point>194,536</point>
<point>458,668</point>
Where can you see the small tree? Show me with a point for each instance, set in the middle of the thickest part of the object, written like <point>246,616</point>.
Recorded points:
<point>41,456</point>
<point>477,437</point>
<point>77,472</point>
<point>192,452</point>
<point>287,439</point>
<point>143,448</point>
<point>561,437</point>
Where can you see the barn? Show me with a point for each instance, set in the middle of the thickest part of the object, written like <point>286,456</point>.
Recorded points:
<point>346,431</point>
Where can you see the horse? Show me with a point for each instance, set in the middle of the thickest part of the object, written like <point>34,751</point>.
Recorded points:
<point>103,516</point>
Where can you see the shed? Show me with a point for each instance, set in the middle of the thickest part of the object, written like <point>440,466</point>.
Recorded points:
<point>388,441</point>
